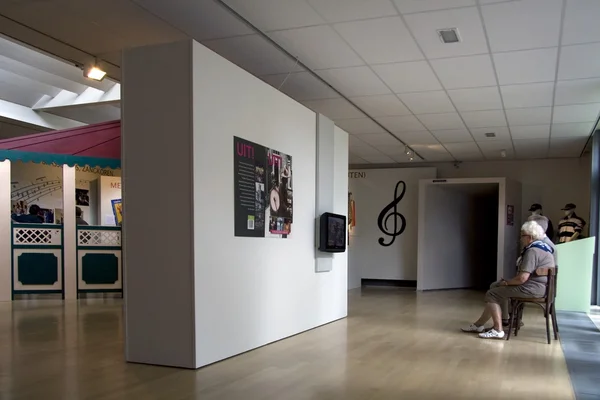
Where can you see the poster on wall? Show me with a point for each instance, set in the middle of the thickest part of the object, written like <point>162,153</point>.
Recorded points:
<point>82,197</point>
<point>263,190</point>
<point>117,206</point>
<point>510,215</point>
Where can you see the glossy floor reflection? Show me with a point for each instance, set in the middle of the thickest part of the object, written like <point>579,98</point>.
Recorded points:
<point>394,345</point>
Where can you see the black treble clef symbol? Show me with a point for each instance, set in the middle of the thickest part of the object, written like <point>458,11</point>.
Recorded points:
<point>391,211</point>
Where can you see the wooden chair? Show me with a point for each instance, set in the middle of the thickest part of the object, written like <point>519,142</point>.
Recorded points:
<point>546,303</point>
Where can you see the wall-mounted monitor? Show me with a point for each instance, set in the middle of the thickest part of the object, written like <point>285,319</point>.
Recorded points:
<point>332,233</point>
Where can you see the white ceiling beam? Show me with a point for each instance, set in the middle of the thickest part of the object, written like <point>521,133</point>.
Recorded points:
<point>89,97</point>
<point>42,119</point>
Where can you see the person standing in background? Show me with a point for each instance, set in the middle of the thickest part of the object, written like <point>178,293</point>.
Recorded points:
<point>571,226</point>
<point>79,217</point>
<point>536,210</point>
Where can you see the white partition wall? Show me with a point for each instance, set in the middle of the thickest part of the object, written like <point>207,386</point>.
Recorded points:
<point>195,293</point>
<point>5,233</point>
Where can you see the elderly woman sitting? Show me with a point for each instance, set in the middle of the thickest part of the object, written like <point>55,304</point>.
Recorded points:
<point>536,254</point>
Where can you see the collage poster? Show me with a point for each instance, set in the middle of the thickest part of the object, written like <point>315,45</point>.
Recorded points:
<point>263,190</point>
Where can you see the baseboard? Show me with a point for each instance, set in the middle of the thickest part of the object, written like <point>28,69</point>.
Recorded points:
<point>389,283</point>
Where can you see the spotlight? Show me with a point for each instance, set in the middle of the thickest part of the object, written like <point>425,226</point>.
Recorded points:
<point>92,71</point>
<point>503,154</point>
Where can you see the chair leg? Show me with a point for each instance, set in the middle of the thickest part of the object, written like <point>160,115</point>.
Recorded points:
<point>511,321</point>
<point>554,323</point>
<point>547,316</point>
<point>554,315</point>
<point>519,318</point>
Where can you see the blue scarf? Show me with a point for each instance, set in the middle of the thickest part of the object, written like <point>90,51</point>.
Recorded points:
<point>538,244</point>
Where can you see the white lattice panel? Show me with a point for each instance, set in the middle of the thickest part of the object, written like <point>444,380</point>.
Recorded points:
<point>37,236</point>
<point>99,238</point>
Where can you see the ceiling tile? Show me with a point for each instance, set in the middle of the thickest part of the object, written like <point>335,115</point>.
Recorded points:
<point>502,133</point>
<point>494,147</point>
<point>269,15</point>
<point>528,66</point>
<point>379,139</point>
<point>301,86</point>
<point>476,99</point>
<point>520,25</point>
<point>576,113</point>
<point>414,138</point>
<point>359,126</point>
<point>581,129</point>
<point>353,159</point>
<point>483,119</point>
<point>530,95</point>
<point>424,26</point>
<point>581,22</point>
<point>380,41</point>
<point>405,123</point>
<point>465,72</point>
<point>349,10</point>
<point>379,159</point>
<point>354,81</point>
<point>319,47</point>
<point>453,135</point>
<point>381,106</point>
<point>363,150</point>
<point>531,148</point>
<point>566,147</point>
<point>199,19</point>
<point>433,152</point>
<point>393,150</point>
<point>442,121</point>
<point>530,132</point>
<point>408,77</point>
<point>427,102</point>
<point>579,61</point>
<point>529,116</point>
<point>412,6</point>
<point>467,150</point>
<point>354,141</point>
<point>334,108</point>
<point>253,53</point>
<point>577,92</point>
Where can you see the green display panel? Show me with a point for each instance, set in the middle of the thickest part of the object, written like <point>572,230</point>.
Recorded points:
<point>97,269</point>
<point>574,283</point>
<point>37,269</point>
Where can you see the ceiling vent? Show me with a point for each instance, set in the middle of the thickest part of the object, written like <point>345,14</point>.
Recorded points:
<point>449,35</point>
<point>490,134</point>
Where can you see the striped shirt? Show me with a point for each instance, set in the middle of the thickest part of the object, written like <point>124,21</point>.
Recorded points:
<point>568,226</point>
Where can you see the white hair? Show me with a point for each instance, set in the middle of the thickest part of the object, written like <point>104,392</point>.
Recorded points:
<point>533,229</point>
<point>541,220</point>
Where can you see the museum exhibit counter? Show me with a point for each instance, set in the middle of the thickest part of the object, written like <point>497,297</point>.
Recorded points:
<point>99,265</point>
<point>37,259</point>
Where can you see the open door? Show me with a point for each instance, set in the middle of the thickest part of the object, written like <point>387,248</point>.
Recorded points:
<point>468,232</point>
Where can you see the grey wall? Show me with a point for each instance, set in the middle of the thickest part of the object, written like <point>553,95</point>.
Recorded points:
<point>157,198</point>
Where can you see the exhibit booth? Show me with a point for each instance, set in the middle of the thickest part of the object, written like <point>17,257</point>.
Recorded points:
<point>72,245</point>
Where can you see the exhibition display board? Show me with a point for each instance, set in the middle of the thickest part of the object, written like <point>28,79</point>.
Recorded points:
<point>69,175</point>
<point>574,279</point>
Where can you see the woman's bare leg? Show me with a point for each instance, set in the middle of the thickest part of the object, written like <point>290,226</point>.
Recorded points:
<point>493,311</point>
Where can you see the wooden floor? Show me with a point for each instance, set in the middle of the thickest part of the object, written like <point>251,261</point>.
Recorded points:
<point>394,345</point>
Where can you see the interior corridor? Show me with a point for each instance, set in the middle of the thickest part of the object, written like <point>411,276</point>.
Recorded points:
<point>395,344</point>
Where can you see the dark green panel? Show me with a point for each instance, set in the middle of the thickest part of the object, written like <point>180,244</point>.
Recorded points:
<point>37,269</point>
<point>99,269</point>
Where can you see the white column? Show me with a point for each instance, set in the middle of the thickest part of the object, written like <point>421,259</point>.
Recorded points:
<point>5,232</point>
<point>325,183</point>
<point>69,227</point>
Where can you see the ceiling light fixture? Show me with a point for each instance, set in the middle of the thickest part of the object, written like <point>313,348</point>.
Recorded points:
<point>407,150</point>
<point>449,35</point>
<point>490,134</point>
<point>93,71</point>
<point>503,153</point>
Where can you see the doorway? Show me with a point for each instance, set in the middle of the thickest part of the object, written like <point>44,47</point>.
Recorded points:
<point>463,233</point>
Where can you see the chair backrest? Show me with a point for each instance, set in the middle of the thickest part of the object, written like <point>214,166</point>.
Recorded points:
<point>550,284</point>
